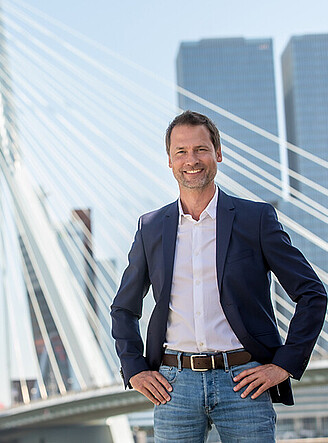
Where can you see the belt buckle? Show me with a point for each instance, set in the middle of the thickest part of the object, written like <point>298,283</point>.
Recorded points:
<point>200,355</point>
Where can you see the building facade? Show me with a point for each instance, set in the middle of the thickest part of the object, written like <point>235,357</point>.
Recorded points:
<point>305,83</point>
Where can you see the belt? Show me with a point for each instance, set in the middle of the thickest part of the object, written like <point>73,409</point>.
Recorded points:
<point>203,362</point>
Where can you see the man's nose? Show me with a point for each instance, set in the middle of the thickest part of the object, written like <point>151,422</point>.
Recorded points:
<point>192,158</point>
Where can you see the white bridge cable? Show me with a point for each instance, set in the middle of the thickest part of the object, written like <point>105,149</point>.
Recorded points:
<point>171,85</point>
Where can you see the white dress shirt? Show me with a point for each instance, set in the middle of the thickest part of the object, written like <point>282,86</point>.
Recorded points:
<point>196,321</point>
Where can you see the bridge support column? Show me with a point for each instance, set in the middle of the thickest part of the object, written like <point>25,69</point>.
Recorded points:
<point>120,429</point>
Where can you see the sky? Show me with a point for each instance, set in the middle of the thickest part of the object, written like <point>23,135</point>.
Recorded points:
<point>149,31</point>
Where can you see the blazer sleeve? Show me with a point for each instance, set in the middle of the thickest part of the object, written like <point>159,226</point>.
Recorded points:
<point>302,285</point>
<point>126,311</point>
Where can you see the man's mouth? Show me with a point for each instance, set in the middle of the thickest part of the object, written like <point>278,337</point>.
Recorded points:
<point>194,171</point>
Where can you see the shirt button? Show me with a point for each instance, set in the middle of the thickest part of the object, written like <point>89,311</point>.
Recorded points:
<point>201,344</point>
<point>197,282</point>
<point>197,313</point>
<point>197,253</point>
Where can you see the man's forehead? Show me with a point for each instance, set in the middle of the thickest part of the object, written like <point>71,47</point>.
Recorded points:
<point>190,132</point>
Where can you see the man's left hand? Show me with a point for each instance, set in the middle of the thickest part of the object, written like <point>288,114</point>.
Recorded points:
<point>262,377</point>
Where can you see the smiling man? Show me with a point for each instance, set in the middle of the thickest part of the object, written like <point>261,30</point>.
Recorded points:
<point>214,354</point>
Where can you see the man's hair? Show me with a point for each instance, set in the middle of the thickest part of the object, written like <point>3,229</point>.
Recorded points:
<point>191,118</point>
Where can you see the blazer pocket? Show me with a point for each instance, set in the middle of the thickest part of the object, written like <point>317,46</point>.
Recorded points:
<point>240,255</point>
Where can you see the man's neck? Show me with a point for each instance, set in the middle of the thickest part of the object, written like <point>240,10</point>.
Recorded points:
<point>194,201</point>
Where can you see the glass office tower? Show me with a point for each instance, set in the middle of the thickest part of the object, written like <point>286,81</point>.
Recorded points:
<point>236,74</point>
<point>305,81</point>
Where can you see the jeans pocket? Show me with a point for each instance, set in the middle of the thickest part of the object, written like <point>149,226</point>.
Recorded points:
<point>169,372</point>
<point>235,370</point>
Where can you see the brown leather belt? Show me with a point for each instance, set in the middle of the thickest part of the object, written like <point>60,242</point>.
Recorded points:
<point>203,362</point>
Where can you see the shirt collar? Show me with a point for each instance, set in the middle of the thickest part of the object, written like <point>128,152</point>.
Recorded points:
<point>209,210</point>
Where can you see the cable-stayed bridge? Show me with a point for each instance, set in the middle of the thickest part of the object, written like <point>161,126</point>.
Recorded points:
<point>82,156</point>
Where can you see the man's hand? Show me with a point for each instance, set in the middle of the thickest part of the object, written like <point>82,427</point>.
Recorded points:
<point>262,377</point>
<point>153,385</point>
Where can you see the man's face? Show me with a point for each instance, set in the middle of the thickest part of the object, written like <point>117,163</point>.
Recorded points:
<point>193,158</point>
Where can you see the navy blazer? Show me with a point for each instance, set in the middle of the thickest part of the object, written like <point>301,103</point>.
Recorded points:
<point>250,244</point>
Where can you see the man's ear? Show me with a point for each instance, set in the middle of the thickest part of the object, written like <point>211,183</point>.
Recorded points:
<point>170,163</point>
<point>219,155</point>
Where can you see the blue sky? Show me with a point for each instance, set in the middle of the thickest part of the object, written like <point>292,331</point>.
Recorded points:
<point>149,31</point>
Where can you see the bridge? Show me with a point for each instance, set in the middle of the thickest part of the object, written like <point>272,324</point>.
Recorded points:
<point>81,142</point>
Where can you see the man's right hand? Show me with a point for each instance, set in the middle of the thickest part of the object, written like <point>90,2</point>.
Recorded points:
<point>152,385</point>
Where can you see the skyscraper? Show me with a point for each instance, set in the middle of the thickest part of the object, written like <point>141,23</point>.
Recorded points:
<point>236,74</point>
<point>305,82</point>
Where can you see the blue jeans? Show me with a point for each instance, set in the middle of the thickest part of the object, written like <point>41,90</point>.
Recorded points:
<point>200,399</point>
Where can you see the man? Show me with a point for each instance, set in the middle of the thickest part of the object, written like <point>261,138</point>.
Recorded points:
<point>213,354</point>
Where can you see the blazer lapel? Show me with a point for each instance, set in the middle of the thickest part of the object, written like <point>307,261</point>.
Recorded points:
<point>170,226</point>
<point>224,219</point>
